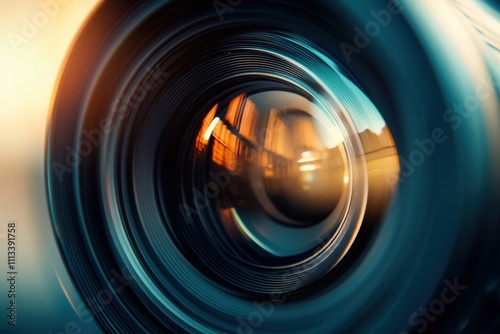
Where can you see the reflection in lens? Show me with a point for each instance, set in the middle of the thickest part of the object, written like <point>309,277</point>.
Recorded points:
<point>287,169</point>
<point>290,170</point>
<point>260,165</point>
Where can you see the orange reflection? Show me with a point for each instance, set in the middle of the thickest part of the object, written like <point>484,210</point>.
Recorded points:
<point>284,159</point>
<point>201,140</point>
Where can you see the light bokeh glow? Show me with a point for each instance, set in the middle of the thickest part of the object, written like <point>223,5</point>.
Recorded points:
<point>28,75</point>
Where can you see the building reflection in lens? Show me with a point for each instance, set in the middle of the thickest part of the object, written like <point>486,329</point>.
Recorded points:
<point>289,172</point>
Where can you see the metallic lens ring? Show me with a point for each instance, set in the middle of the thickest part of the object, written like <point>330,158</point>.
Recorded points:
<point>347,98</point>
<point>355,175</point>
<point>145,169</point>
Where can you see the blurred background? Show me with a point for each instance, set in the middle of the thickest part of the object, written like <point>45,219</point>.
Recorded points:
<point>34,39</point>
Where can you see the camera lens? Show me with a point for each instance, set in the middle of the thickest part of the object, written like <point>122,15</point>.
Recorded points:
<point>293,169</point>
<point>270,168</point>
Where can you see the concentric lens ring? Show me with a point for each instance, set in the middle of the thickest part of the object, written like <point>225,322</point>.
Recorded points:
<point>190,232</point>
<point>142,98</point>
